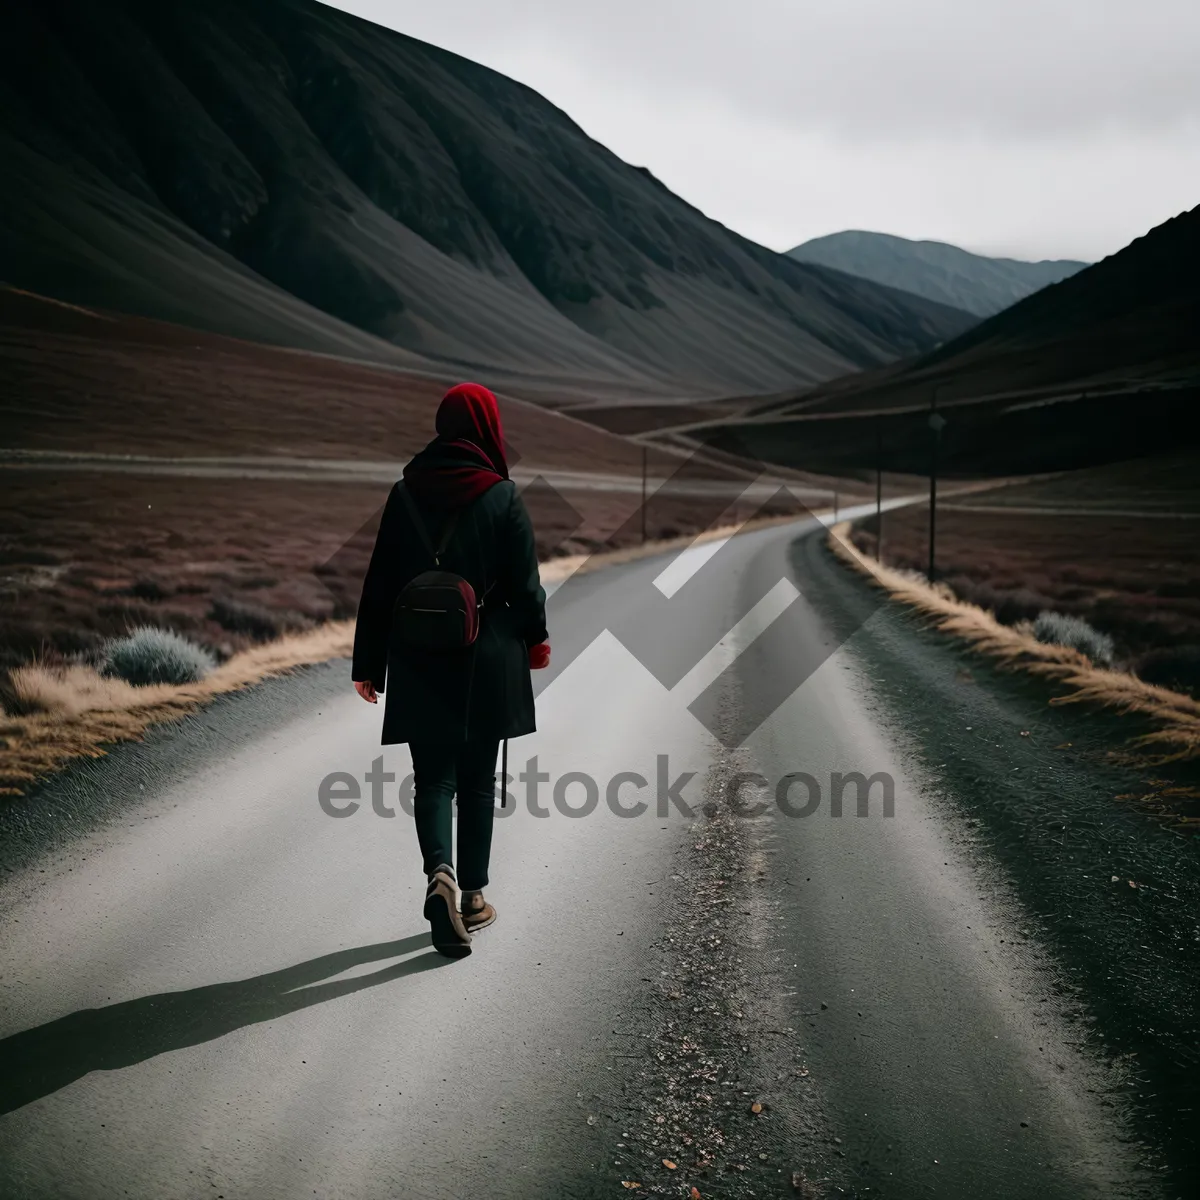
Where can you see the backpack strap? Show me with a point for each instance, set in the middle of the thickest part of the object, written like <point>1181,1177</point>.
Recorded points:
<point>423,531</point>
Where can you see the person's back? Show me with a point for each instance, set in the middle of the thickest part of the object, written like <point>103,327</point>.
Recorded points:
<point>454,706</point>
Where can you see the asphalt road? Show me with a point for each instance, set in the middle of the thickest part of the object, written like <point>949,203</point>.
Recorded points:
<point>212,988</point>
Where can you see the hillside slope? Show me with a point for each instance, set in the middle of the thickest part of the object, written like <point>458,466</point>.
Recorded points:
<point>938,271</point>
<point>1136,311</point>
<point>1102,365</point>
<point>279,170</point>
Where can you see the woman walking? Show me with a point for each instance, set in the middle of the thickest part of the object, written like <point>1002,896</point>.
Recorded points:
<point>452,618</point>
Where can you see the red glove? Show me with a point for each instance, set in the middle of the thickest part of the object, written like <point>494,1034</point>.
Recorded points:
<point>539,656</point>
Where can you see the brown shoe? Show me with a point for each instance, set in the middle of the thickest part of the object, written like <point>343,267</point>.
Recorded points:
<point>449,934</point>
<point>477,913</point>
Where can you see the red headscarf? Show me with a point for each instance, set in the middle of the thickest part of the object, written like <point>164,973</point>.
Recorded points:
<point>467,456</point>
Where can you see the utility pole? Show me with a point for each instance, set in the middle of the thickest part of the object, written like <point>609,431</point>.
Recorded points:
<point>936,424</point>
<point>643,493</point>
<point>879,494</point>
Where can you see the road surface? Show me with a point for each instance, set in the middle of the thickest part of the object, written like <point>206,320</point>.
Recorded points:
<point>213,988</point>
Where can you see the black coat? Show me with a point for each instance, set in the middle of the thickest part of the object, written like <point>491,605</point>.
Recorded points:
<point>484,690</point>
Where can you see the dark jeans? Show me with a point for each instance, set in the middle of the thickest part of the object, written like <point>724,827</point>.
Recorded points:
<point>439,771</point>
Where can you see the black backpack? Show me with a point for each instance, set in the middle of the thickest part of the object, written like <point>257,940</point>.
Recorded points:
<point>438,610</point>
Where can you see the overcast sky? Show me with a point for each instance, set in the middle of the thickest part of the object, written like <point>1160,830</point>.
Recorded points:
<point>1032,128</point>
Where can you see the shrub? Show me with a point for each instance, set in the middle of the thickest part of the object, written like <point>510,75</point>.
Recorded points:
<point>864,541</point>
<point>255,621</point>
<point>1021,604</point>
<point>1007,605</point>
<point>27,557</point>
<point>1179,589</point>
<point>1058,629</point>
<point>344,607</point>
<point>151,655</point>
<point>148,589</point>
<point>1175,667</point>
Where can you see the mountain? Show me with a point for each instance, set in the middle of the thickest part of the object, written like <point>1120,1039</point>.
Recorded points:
<point>1133,315</point>
<point>935,270</point>
<point>1103,365</point>
<point>284,172</point>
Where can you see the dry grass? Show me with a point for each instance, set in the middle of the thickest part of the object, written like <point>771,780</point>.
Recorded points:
<point>1135,578</point>
<point>1176,717</point>
<point>72,711</point>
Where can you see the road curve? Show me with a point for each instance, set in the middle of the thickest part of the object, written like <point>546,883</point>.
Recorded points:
<point>211,987</point>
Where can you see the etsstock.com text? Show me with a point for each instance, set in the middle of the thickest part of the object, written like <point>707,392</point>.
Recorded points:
<point>794,794</point>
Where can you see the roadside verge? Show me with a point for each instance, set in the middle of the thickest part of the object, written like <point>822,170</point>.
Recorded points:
<point>70,711</point>
<point>1174,717</point>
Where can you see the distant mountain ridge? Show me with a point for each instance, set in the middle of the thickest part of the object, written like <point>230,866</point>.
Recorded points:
<point>1133,314</point>
<point>285,172</point>
<point>936,270</point>
<point>1100,366</point>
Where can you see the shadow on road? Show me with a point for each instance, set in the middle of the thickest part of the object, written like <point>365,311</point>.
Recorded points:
<point>40,1061</point>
